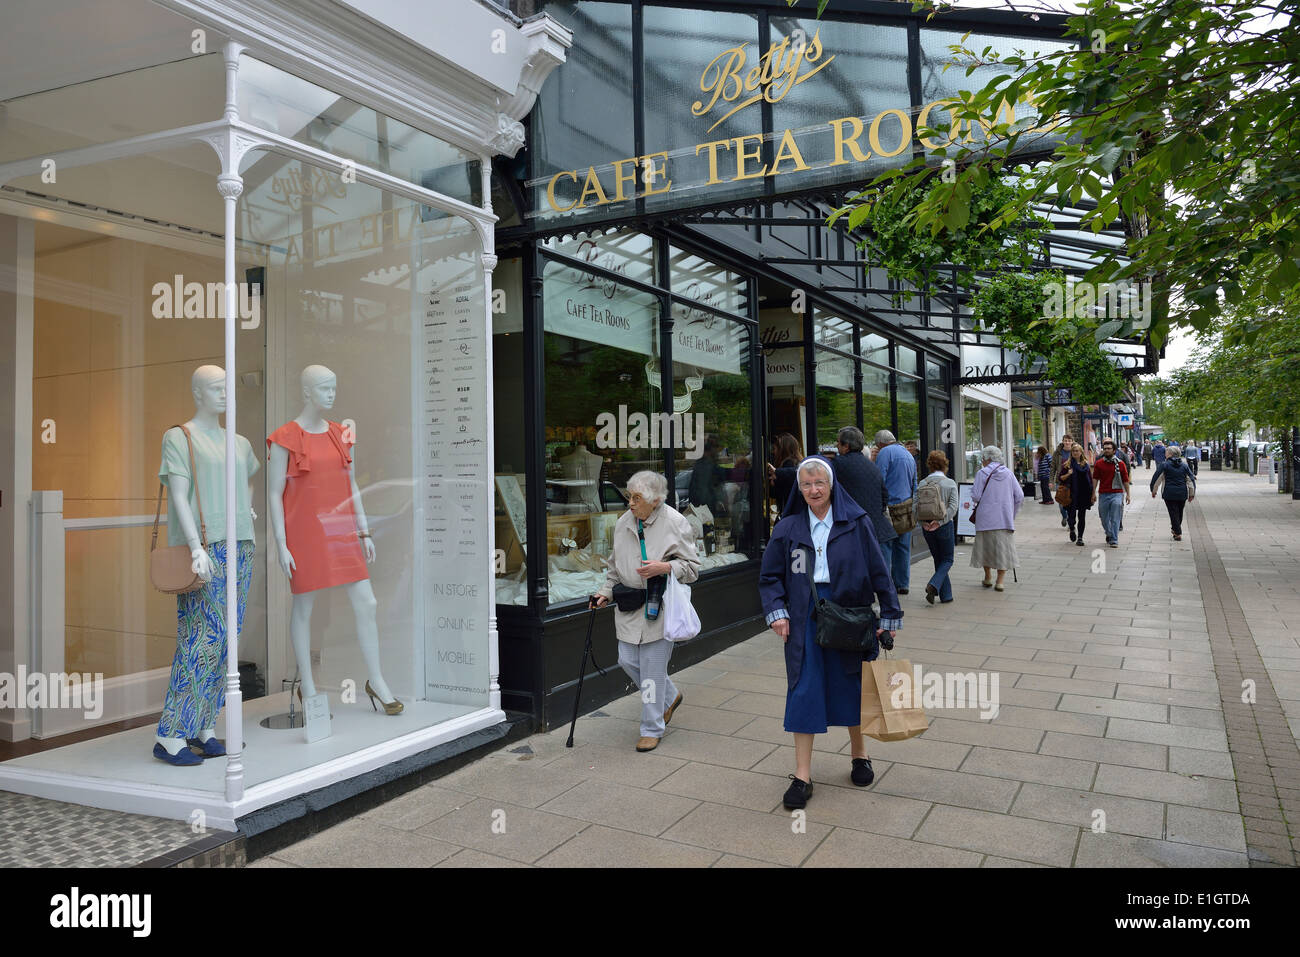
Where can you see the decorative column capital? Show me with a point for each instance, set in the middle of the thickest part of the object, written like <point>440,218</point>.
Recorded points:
<point>230,185</point>
<point>489,261</point>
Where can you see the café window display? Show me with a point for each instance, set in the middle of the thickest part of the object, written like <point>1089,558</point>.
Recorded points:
<point>715,474</point>
<point>606,417</point>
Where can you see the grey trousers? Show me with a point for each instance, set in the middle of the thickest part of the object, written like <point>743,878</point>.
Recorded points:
<point>647,666</point>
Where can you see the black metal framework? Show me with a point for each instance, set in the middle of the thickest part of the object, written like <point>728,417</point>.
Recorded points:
<point>942,313</point>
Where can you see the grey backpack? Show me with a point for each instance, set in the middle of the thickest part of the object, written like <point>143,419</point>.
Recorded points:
<point>929,503</point>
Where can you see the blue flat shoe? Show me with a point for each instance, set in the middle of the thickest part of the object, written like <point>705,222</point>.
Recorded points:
<point>211,748</point>
<point>183,758</point>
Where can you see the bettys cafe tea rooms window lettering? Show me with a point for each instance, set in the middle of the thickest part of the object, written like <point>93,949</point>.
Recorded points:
<point>729,84</point>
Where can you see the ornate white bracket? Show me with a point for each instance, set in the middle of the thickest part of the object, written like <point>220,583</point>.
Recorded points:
<point>509,135</point>
<point>548,39</point>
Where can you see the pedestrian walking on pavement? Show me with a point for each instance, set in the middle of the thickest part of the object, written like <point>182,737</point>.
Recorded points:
<point>1110,481</point>
<point>651,540</point>
<point>1078,477</point>
<point>1158,452</point>
<point>940,533</point>
<point>898,468</point>
<point>1192,457</point>
<point>1043,470</point>
<point>861,478</point>
<point>1146,453</point>
<point>823,537</point>
<point>1179,487</point>
<point>997,498</point>
<point>1059,458</point>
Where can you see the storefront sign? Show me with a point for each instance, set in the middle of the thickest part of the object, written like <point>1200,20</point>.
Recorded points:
<point>729,85</point>
<point>779,70</point>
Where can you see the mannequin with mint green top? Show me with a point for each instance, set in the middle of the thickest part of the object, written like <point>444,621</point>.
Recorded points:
<point>197,688</point>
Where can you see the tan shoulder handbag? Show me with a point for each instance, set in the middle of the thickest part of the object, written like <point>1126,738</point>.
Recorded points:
<point>171,569</point>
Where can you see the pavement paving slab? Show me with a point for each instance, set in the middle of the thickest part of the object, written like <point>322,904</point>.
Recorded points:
<point>1149,716</point>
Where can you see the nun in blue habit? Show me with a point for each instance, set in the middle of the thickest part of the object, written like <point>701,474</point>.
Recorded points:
<point>823,536</point>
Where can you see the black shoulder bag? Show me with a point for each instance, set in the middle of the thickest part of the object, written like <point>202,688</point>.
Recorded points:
<point>843,629</point>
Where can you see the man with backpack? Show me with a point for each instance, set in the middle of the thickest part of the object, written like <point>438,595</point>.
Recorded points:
<point>898,469</point>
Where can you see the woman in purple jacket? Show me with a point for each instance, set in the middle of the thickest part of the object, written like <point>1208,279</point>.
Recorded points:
<point>997,498</point>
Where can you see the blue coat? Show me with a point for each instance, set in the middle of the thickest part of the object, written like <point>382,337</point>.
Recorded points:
<point>857,567</point>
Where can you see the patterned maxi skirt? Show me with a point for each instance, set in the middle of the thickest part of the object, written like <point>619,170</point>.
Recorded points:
<point>197,691</point>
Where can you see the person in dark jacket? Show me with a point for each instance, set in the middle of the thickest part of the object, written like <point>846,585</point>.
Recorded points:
<point>786,456</point>
<point>1043,472</point>
<point>823,537</point>
<point>1059,457</point>
<point>861,478</point>
<point>1075,471</point>
<point>1179,484</point>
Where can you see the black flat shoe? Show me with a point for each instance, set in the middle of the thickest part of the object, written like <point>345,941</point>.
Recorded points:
<point>1079,543</point>
<point>901,591</point>
<point>862,775</point>
<point>1072,535</point>
<point>1064,523</point>
<point>930,592</point>
<point>796,796</point>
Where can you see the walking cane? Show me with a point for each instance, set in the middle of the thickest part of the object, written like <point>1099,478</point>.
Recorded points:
<point>587,652</point>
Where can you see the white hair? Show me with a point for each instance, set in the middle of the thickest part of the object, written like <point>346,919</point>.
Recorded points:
<point>810,463</point>
<point>651,486</point>
<point>885,437</point>
<point>991,453</point>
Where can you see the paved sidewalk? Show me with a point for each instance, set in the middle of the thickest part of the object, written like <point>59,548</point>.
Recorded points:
<point>1110,747</point>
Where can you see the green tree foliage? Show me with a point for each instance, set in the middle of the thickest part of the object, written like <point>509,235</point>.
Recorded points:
<point>1184,126</point>
<point>1012,305</point>
<point>1245,374</point>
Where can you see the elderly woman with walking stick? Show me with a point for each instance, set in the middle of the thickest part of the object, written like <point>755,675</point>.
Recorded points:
<point>651,540</point>
<point>824,544</point>
<point>997,498</point>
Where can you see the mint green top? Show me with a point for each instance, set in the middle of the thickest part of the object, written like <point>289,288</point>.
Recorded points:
<point>210,459</point>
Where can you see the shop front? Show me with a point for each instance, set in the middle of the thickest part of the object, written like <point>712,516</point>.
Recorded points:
<point>672,299</point>
<point>246,314</point>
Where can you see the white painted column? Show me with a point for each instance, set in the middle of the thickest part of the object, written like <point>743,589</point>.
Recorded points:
<point>1008,441</point>
<point>17,323</point>
<point>49,638</point>
<point>489,260</point>
<point>230,184</point>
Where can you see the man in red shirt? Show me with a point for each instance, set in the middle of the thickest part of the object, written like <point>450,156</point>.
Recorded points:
<point>1109,481</point>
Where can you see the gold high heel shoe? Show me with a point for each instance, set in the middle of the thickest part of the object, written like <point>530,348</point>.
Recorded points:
<point>390,707</point>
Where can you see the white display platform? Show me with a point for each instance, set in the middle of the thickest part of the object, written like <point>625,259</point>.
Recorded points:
<point>119,772</point>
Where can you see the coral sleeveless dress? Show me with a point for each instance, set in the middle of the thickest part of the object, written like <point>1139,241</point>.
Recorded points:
<point>320,527</point>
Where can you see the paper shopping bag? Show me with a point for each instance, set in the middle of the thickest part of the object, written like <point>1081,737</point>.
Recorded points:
<point>891,703</point>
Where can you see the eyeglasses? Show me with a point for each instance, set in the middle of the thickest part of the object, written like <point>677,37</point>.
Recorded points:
<point>808,485</point>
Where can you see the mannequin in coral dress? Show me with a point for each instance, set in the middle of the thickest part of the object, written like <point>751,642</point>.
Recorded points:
<point>320,530</point>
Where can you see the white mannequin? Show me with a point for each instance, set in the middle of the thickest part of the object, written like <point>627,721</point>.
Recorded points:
<point>319,386</point>
<point>208,386</point>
